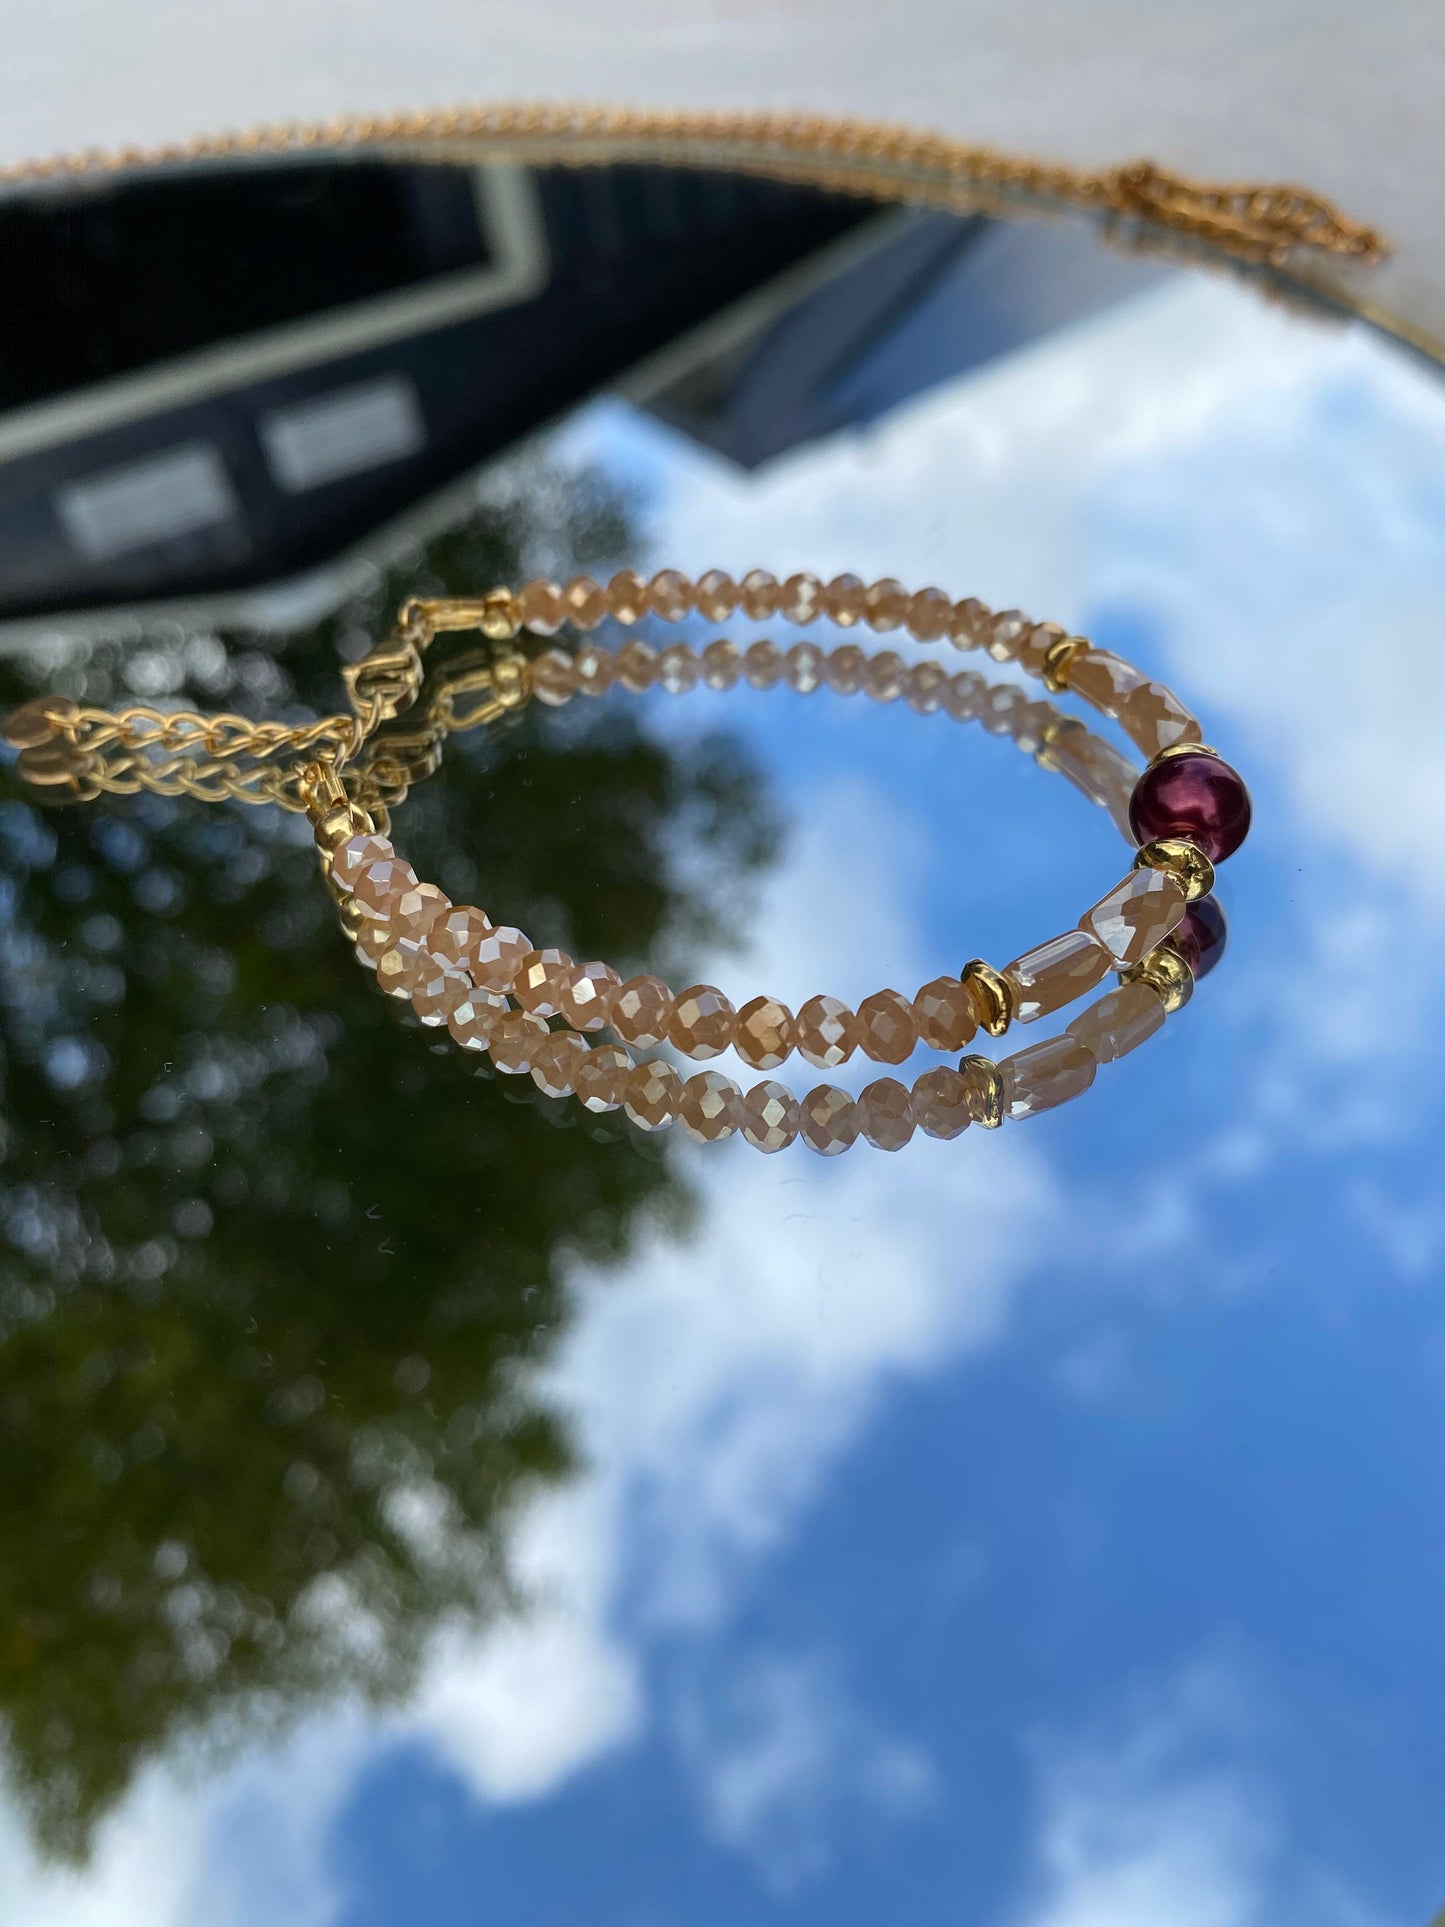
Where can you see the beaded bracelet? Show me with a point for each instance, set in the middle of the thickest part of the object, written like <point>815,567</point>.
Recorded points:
<point>1158,928</point>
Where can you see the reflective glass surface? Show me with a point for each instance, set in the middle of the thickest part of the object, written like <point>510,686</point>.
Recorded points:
<point>421,1500</point>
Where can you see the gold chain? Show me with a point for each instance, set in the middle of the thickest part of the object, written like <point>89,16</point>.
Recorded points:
<point>1254,222</point>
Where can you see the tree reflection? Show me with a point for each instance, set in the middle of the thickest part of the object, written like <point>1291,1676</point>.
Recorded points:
<point>271,1259</point>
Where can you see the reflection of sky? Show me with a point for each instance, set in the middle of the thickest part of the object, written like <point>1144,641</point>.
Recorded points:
<point>1047,1528</point>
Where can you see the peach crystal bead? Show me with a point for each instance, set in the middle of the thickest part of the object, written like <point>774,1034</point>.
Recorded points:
<point>1153,718</point>
<point>830,1120</point>
<point>415,912</point>
<point>354,855</point>
<point>944,1014</point>
<point>940,1103</point>
<point>703,1021</point>
<point>845,599</point>
<point>711,1107</point>
<point>399,966</point>
<point>885,604</point>
<point>721,664</point>
<point>594,669</point>
<point>541,609</point>
<point>515,1039</point>
<point>601,1076</point>
<point>669,595</point>
<point>801,599</point>
<point>678,669</point>
<point>963,699</point>
<point>651,1095</point>
<point>454,937</point>
<point>437,991</point>
<point>636,666</point>
<point>1055,973</point>
<point>1135,916</point>
<point>759,598</point>
<point>969,627</point>
<point>1005,633</point>
<point>884,676</point>
<point>627,596</point>
<point>885,1114</point>
<point>764,1033</point>
<point>586,602</point>
<point>1102,679</point>
<point>924,687</point>
<point>380,882</point>
<point>554,678</point>
<point>642,1011</point>
<point>826,1032</point>
<point>770,1116</point>
<point>374,936</point>
<point>763,664</point>
<point>845,669</point>
<point>717,596</point>
<point>887,1027</point>
<point>929,614</point>
<point>1036,643</point>
<point>470,1020</point>
<point>1045,1074</point>
<point>1119,1022</point>
<point>497,956</point>
<point>541,981</point>
<point>803,667</point>
<point>556,1062</point>
<point>587,996</point>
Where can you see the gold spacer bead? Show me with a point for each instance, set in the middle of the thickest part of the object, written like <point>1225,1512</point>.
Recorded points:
<point>352,916</point>
<point>1182,860</point>
<point>1057,658</point>
<point>1184,749</point>
<point>988,992</point>
<point>1166,972</point>
<point>987,1086</point>
<point>499,620</point>
<point>512,681</point>
<point>338,825</point>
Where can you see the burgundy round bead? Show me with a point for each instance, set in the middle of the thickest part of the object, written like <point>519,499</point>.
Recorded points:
<point>1199,798</point>
<point>1199,936</point>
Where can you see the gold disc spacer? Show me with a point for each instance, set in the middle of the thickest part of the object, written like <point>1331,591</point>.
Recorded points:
<point>1057,658</point>
<point>988,992</point>
<point>1182,860</point>
<point>985,1090</point>
<point>1166,972</point>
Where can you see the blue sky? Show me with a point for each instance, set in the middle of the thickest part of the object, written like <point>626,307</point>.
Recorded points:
<point>1043,1530</point>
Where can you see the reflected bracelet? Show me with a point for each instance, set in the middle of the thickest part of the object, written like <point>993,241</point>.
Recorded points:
<point>496,991</point>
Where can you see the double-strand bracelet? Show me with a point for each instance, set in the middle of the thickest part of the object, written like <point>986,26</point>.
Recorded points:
<point>577,1028</point>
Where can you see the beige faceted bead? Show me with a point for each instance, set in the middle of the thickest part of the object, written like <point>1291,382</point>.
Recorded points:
<point>887,1027</point>
<point>380,882</point>
<point>830,1120</point>
<point>826,1032</point>
<point>703,1021</point>
<point>1045,1074</point>
<point>885,1114</point>
<point>554,677</point>
<point>885,604</point>
<point>1005,633</point>
<point>1035,644</point>
<point>678,669</point>
<point>587,996</point>
<point>399,966</point>
<point>1119,1022</point>
<point>1055,973</point>
<point>541,609</point>
<point>969,627</point>
<point>944,1014</point>
<point>711,1107</point>
<point>1136,915</point>
<point>601,1077</point>
<point>924,687</point>
<point>517,1036</point>
<point>497,956</point>
<point>416,911</point>
<point>845,600</point>
<point>437,990</point>
<point>594,669</point>
<point>1153,718</point>
<point>355,854</point>
<point>764,1033</point>
<point>963,699</point>
<point>651,1095</point>
<point>470,1021</point>
<point>627,596</point>
<point>940,1103</point>
<point>803,666</point>
<point>885,675</point>
<point>642,1011</point>
<point>717,596</point>
<point>929,613</point>
<point>1104,680</point>
<point>801,600</point>
<point>543,978</point>
<point>845,669</point>
<point>763,664</point>
<point>454,937</point>
<point>759,597</point>
<point>1030,721</point>
<point>556,1061</point>
<point>771,1116</point>
<point>586,602</point>
<point>669,595</point>
<point>722,664</point>
<point>636,666</point>
<point>1001,707</point>
<point>374,936</point>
